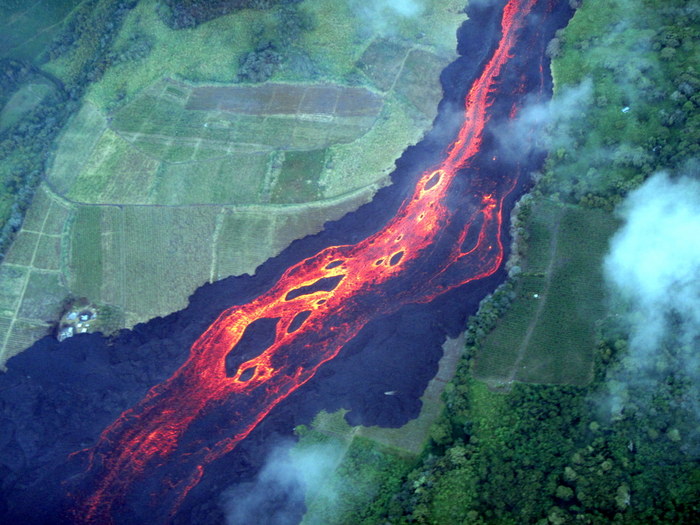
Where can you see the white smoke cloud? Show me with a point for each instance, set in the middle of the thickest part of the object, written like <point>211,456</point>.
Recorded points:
<point>547,125</point>
<point>276,496</point>
<point>653,272</point>
<point>380,16</point>
<point>654,261</point>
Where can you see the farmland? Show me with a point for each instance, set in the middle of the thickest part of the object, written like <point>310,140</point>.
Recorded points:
<point>32,286</point>
<point>172,174</point>
<point>548,334</point>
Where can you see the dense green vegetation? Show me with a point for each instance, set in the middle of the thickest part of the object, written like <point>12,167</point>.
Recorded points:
<point>641,114</point>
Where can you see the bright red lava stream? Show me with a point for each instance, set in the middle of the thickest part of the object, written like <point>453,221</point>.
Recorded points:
<point>312,326</point>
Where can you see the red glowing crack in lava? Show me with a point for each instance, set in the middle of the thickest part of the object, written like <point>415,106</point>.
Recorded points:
<point>311,327</point>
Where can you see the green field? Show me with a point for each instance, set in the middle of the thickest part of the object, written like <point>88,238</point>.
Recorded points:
<point>237,178</point>
<point>299,176</point>
<point>74,147</point>
<point>86,252</point>
<point>145,260</point>
<point>42,296</point>
<point>547,335</point>
<point>32,278</point>
<point>157,151</point>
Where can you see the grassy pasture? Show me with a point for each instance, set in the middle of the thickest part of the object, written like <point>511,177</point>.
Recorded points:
<point>56,218</point>
<point>343,31</point>
<point>32,285</point>
<point>74,148</point>
<point>547,335</point>
<point>419,66</point>
<point>48,253</point>
<point>382,62</point>
<point>298,179</point>
<point>12,279</point>
<point>115,173</point>
<point>42,296</point>
<point>167,255</point>
<point>22,249</point>
<point>146,260</point>
<point>5,327</point>
<point>305,117</point>
<point>247,239</point>
<point>207,53</point>
<point>36,215</point>
<point>86,252</point>
<point>237,178</point>
<point>370,158</point>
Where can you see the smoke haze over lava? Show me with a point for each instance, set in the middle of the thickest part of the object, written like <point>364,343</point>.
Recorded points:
<point>403,271</point>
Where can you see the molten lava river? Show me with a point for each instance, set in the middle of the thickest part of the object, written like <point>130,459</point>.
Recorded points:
<point>447,232</point>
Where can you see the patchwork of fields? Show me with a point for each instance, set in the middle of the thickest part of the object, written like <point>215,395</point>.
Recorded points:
<point>547,335</point>
<point>159,184</point>
<point>32,286</point>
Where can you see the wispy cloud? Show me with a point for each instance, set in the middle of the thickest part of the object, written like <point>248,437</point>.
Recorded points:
<point>653,272</point>
<point>380,16</point>
<point>547,125</point>
<point>276,496</point>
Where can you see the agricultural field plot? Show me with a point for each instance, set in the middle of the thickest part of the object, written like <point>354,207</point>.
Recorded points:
<point>237,178</point>
<point>156,151</point>
<point>261,118</point>
<point>26,27</point>
<point>114,173</point>
<point>145,260</point>
<point>298,178</point>
<point>248,237</point>
<point>547,334</point>
<point>22,249</point>
<point>74,148</point>
<point>382,61</point>
<point>12,280</point>
<point>411,84</point>
<point>32,283</point>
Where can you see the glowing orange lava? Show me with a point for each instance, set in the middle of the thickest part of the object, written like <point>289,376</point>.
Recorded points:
<point>312,326</point>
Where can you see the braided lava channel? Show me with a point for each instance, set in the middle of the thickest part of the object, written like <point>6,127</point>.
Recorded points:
<point>216,398</point>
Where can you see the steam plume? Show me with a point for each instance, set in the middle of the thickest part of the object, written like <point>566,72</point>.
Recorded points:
<point>653,270</point>
<point>276,496</point>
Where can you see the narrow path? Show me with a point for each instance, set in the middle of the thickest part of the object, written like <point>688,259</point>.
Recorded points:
<point>213,274</point>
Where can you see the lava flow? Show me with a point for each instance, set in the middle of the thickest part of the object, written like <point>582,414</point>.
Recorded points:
<point>218,396</point>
